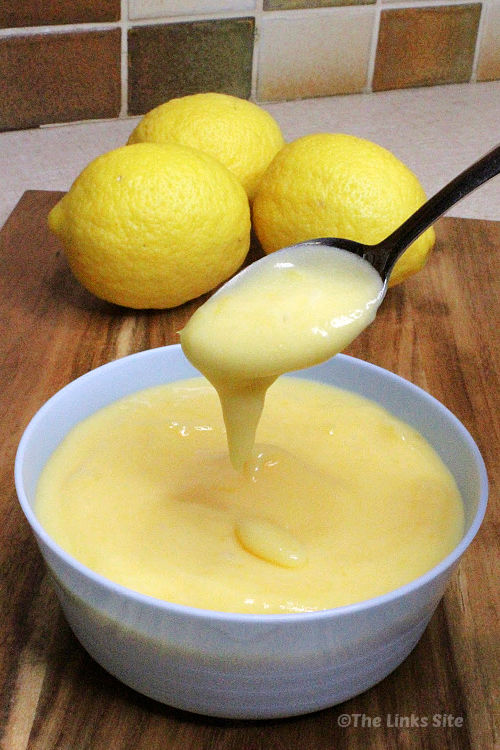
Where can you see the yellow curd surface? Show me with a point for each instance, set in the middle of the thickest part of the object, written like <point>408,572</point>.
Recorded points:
<point>339,502</point>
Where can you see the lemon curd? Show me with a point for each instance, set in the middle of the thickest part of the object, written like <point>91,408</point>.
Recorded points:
<point>283,316</point>
<point>341,502</point>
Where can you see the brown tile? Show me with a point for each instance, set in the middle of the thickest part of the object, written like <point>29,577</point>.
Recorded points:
<point>184,58</point>
<point>426,46</point>
<point>59,78</point>
<point>35,13</point>
<point>488,68</point>
<point>295,4</point>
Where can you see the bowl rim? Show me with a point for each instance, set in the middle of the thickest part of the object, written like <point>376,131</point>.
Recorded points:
<point>243,617</point>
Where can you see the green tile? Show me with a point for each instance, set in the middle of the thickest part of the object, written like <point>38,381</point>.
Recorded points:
<point>168,60</point>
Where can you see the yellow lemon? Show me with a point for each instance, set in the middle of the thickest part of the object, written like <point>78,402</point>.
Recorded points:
<point>242,135</point>
<point>152,225</point>
<point>336,185</point>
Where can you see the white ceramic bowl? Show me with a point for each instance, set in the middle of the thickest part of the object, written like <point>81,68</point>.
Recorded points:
<point>237,665</point>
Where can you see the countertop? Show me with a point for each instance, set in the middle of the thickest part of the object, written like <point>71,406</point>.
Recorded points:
<point>436,131</point>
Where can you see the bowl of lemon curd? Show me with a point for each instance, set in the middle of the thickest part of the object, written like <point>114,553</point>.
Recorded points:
<point>234,540</point>
<point>269,603</point>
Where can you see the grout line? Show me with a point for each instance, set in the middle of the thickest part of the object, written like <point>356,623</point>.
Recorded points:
<point>392,4</point>
<point>124,26</point>
<point>373,48</point>
<point>71,123</point>
<point>480,33</point>
<point>66,28</point>
<point>258,14</point>
<point>106,25</point>
<point>190,18</point>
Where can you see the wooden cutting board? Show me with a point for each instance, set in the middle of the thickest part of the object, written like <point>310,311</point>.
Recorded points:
<point>439,330</point>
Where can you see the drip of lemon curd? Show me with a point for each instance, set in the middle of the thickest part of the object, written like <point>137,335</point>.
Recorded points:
<point>282,317</point>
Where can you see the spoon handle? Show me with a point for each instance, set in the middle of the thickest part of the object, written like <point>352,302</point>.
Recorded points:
<point>389,250</point>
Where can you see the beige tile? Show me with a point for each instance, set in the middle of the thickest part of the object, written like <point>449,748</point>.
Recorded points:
<point>318,54</point>
<point>294,4</point>
<point>488,68</point>
<point>167,8</point>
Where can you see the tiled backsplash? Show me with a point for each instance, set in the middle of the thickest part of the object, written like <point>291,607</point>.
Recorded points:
<point>65,61</point>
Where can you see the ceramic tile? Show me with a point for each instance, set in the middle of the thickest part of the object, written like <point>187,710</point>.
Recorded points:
<point>296,4</point>
<point>317,55</point>
<point>35,13</point>
<point>138,9</point>
<point>488,68</point>
<point>426,46</point>
<point>184,58</point>
<point>59,78</point>
<point>418,2</point>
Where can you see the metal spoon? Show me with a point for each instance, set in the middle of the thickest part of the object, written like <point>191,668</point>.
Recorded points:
<point>384,255</point>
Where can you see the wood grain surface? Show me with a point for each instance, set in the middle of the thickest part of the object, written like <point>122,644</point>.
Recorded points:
<point>439,330</point>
